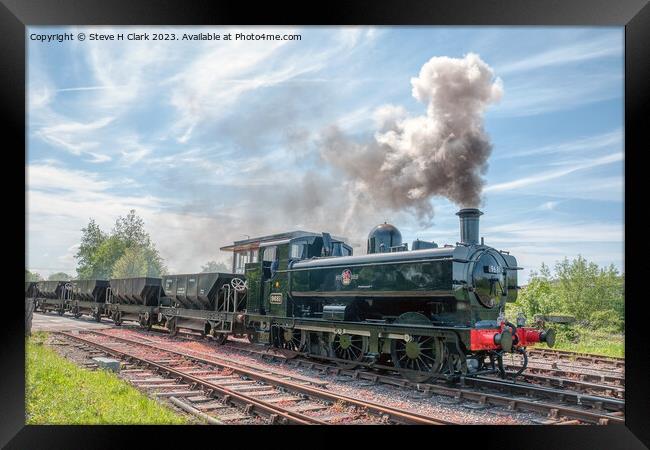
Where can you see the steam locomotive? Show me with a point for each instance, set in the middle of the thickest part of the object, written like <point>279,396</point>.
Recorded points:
<point>427,312</point>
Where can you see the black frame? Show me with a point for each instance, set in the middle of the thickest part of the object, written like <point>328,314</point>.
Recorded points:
<point>15,15</point>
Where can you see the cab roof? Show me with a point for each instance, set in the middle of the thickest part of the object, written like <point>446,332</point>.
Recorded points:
<point>256,242</point>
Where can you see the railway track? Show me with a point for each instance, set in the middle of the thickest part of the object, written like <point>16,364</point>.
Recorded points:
<point>204,386</point>
<point>554,403</point>
<point>570,398</point>
<point>556,398</point>
<point>616,380</point>
<point>614,389</point>
<point>574,356</point>
<point>550,364</point>
<point>559,393</point>
<point>541,369</point>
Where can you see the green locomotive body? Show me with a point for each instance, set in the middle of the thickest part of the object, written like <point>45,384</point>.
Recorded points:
<point>438,310</point>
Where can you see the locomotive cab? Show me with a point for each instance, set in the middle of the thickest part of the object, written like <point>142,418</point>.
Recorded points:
<point>265,261</point>
<point>277,257</point>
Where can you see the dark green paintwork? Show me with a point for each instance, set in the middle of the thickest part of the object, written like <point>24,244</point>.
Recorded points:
<point>407,278</point>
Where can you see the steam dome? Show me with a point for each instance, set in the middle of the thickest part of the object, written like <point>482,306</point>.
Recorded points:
<point>383,237</point>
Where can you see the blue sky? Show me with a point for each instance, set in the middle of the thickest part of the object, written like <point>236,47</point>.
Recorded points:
<point>211,141</point>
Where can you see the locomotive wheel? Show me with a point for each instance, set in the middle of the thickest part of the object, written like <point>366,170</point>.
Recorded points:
<point>456,364</point>
<point>421,354</point>
<point>287,338</point>
<point>295,340</point>
<point>252,338</point>
<point>117,318</point>
<point>98,316</point>
<point>424,354</point>
<point>61,311</point>
<point>348,346</point>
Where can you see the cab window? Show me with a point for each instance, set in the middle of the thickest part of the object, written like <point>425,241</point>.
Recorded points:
<point>298,250</point>
<point>269,253</point>
<point>339,249</point>
<point>240,260</point>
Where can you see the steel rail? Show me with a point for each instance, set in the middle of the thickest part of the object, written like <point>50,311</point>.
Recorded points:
<point>553,381</point>
<point>381,410</point>
<point>234,396</point>
<point>612,404</point>
<point>576,355</point>
<point>558,382</point>
<point>553,410</point>
<point>481,397</point>
<point>614,380</point>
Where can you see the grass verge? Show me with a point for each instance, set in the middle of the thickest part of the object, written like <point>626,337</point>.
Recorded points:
<point>59,392</point>
<point>584,340</point>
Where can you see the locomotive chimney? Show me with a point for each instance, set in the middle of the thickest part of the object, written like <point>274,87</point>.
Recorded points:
<point>469,225</point>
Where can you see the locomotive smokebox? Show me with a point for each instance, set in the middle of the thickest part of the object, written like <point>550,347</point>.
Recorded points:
<point>469,218</point>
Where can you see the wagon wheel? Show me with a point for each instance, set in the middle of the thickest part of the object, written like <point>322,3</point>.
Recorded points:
<point>220,338</point>
<point>253,338</point>
<point>171,325</point>
<point>98,316</point>
<point>117,318</point>
<point>350,347</point>
<point>60,311</point>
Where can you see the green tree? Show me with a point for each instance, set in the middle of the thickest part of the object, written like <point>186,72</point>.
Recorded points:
<point>130,230</point>
<point>213,266</point>
<point>139,262</point>
<point>111,250</point>
<point>99,253</point>
<point>32,276</point>
<point>92,237</point>
<point>538,297</point>
<point>60,276</point>
<point>593,295</point>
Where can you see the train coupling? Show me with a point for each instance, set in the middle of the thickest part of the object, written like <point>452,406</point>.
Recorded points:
<point>508,337</point>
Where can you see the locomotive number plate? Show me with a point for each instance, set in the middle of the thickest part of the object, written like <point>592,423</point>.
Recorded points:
<point>276,299</point>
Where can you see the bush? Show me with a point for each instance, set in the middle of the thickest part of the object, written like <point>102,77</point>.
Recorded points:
<point>607,320</point>
<point>579,288</point>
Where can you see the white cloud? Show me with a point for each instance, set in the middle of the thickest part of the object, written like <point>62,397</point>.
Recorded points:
<point>548,206</point>
<point>549,231</point>
<point>607,46</point>
<point>75,137</point>
<point>590,143</point>
<point>553,174</point>
<point>212,83</point>
<point>60,201</point>
<point>542,94</point>
<point>98,158</point>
